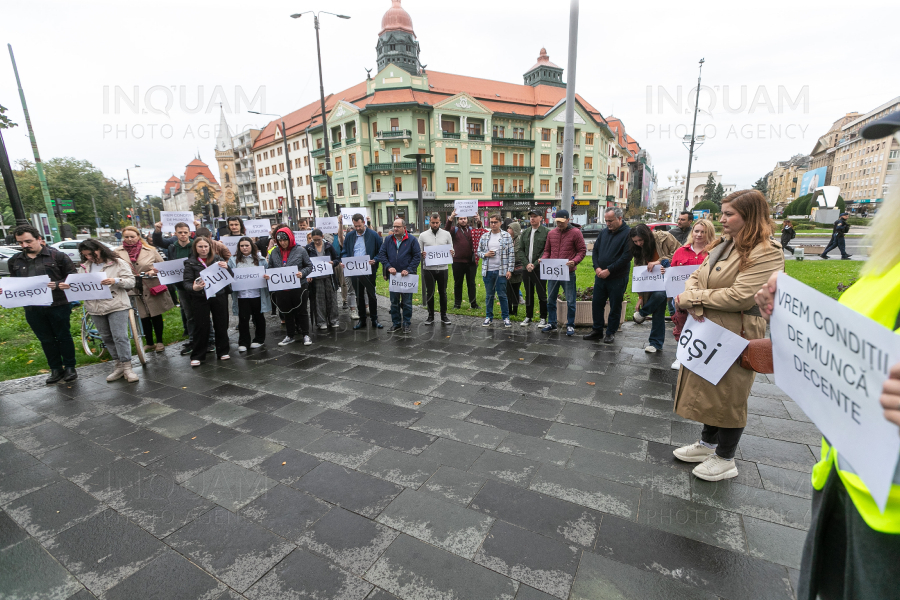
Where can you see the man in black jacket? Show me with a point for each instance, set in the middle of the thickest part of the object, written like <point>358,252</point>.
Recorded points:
<point>50,324</point>
<point>173,249</point>
<point>682,233</point>
<point>611,258</point>
<point>837,238</point>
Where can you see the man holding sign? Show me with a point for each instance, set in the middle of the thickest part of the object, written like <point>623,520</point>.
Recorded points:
<point>400,254</point>
<point>50,324</point>
<point>178,248</point>
<point>362,241</point>
<point>464,259</point>
<point>563,242</point>
<point>440,244</point>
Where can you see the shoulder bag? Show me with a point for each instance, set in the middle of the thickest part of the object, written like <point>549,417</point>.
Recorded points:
<point>757,356</point>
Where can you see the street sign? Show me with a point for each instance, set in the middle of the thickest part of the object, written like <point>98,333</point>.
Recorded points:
<point>66,206</point>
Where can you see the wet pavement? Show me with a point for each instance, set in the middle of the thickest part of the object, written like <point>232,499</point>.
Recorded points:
<point>454,462</point>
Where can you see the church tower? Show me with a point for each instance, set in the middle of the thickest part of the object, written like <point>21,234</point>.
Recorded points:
<point>225,158</point>
<point>397,41</point>
<point>544,72</point>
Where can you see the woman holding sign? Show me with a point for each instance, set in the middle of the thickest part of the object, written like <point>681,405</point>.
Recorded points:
<point>324,288</point>
<point>291,303</point>
<point>152,297</point>
<point>203,257</point>
<point>693,253</point>
<point>250,304</point>
<point>652,249</point>
<point>722,290</point>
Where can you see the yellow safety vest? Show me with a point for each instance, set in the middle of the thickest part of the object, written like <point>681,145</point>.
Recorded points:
<point>877,297</point>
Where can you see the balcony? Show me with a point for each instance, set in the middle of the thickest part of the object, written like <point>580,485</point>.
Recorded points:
<point>575,171</point>
<point>512,196</point>
<point>409,165</point>
<point>321,201</point>
<point>560,147</point>
<point>504,141</point>
<point>611,177</point>
<point>316,153</point>
<point>476,137</point>
<point>610,198</point>
<point>320,178</point>
<point>398,134</point>
<point>511,169</point>
<point>450,136</point>
<point>350,141</point>
<point>335,145</point>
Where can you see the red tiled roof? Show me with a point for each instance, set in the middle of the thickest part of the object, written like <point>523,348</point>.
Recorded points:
<point>173,184</point>
<point>198,167</point>
<point>633,147</point>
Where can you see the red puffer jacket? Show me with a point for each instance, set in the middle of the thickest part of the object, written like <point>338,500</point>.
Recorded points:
<point>567,244</point>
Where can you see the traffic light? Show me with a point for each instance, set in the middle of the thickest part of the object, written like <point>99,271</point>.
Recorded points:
<point>128,216</point>
<point>280,213</point>
<point>215,210</point>
<point>205,210</point>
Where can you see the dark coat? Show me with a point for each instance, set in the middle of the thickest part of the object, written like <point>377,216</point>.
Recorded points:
<point>787,234</point>
<point>540,240</point>
<point>332,253</point>
<point>463,247</point>
<point>612,251</point>
<point>373,243</point>
<point>50,262</point>
<point>405,257</point>
<point>192,268</point>
<point>567,244</point>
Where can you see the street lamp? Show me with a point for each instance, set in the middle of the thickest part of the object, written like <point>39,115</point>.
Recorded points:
<point>287,159</point>
<point>322,98</point>
<point>420,205</point>
<point>131,193</point>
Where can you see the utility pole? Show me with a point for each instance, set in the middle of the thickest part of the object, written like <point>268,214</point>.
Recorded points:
<point>135,219</point>
<point>687,186</point>
<point>569,135</point>
<point>287,159</point>
<point>96,218</point>
<point>38,165</point>
<point>312,184</point>
<point>11,189</point>
<point>324,123</point>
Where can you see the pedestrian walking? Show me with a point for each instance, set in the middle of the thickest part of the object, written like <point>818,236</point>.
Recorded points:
<point>841,227</point>
<point>611,259</point>
<point>532,242</point>
<point>653,249</point>
<point>323,290</point>
<point>692,253</point>
<point>205,309</point>
<point>464,260</point>
<point>50,324</point>
<point>514,283</point>
<point>564,242</point>
<point>400,254</point>
<point>435,276</point>
<point>787,234</point>
<point>722,290</point>
<point>151,297</point>
<point>498,256</point>
<point>292,303</point>
<point>110,316</point>
<point>250,305</point>
<point>363,241</point>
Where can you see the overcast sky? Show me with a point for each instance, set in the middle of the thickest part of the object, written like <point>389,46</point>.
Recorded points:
<point>801,67</point>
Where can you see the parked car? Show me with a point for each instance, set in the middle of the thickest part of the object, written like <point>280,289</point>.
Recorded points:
<point>591,231</point>
<point>661,226</point>
<point>4,262</point>
<point>70,247</point>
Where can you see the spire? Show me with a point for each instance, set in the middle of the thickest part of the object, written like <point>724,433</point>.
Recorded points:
<point>223,139</point>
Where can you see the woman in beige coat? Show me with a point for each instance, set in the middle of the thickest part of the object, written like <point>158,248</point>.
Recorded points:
<point>722,290</point>
<point>141,256</point>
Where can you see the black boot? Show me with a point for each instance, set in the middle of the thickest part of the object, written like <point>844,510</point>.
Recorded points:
<point>70,374</point>
<point>594,335</point>
<point>55,376</point>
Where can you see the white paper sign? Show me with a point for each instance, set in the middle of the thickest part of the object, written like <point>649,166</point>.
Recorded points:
<point>321,266</point>
<point>25,291</point>
<point>87,286</point>
<point>554,269</point>
<point>171,271</point>
<point>404,285</point>
<point>438,255</point>
<point>248,278</point>
<point>231,242</point>
<point>356,265</point>
<point>676,278</point>
<point>300,237</point>
<point>347,214</point>
<point>257,227</point>
<point>708,349</point>
<point>283,278</point>
<point>170,218</point>
<point>216,278</point>
<point>327,224</point>
<point>465,208</point>
<point>644,281</point>
<point>832,361</point>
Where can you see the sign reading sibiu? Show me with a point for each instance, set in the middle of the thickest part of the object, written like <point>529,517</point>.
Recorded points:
<point>248,278</point>
<point>833,362</point>
<point>404,285</point>
<point>676,278</point>
<point>216,278</point>
<point>171,271</point>
<point>643,280</point>
<point>87,286</point>
<point>356,265</point>
<point>321,266</point>
<point>170,218</point>
<point>554,269</point>
<point>25,291</point>
<point>438,255</point>
<point>283,278</point>
<point>708,349</point>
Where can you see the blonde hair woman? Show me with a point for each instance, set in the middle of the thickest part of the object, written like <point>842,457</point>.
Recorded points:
<point>151,297</point>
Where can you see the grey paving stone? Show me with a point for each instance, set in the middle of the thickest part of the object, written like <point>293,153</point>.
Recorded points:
<point>286,511</point>
<point>296,435</point>
<point>267,403</point>
<point>247,450</point>
<point>396,415</point>
<point>209,437</point>
<point>767,505</point>
<point>233,393</point>
<point>786,481</point>
<point>446,408</point>
<point>775,543</point>
<point>767,390</point>
<point>71,414</point>
<point>493,397</point>
<point>533,559</point>
<point>631,472</point>
<point>380,594</point>
<point>684,433</point>
<point>540,513</point>
<point>589,417</point>
<point>115,476</point>
<point>599,577</point>
<point>190,401</point>
<point>260,424</point>
<point>540,408</point>
<point>692,520</point>
<point>777,453</point>
<point>400,468</point>
<point>159,505</point>
<point>25,481</point>
<point>352,541</point>
<point>304,575</point>
<point>598,440</point>
<point>438,522</point>
<point>642,427</point>
<point>10,533</point>
<point>104,550</point>
<point>52,509</point>
<point>105,428</point>
<point>791,431</point>
<point>393,437</point>
<point>587,490</point>
<point>508,421</point>
<point>77,460</point>
<point>13,459</point>
<point>184,464</point>
<point>30,572</point>
<point>454,485</point>
<point>648,388</point>
<point>169,576</point>
<point>529,593</point>
<point>769,407</point>
<point>299,412</point>
<point>661,409</point>
<point>460,431</point>
<point>244,550</point>
<point>413,569</point>
<point>341,450</point>
<point>617,400</point>
<point>537,449</point>
<point>349,489</point>
<point>229,485</point>
<point>146,413</point>
<point>287,466</point>
<point>226,413</point>
<point>795,411</point>
<point>42,437</point>
<point>505,467</point>
<point>452,453</point>
<point>337,421</point>
<point>144,446</point>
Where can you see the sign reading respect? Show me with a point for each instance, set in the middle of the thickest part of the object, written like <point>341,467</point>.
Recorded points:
<point>676,279</point>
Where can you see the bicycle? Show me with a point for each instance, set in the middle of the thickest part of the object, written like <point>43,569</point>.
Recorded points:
<point>93,344</point>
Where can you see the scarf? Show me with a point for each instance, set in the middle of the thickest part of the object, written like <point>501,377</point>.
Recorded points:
<point>133,251</point>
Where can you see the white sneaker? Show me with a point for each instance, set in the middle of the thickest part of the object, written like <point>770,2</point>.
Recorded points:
<point>638,317</point>
<point>543,323</point>
<point>307,341</point>
<point>254,345</point>
<point>676,365</point>
<point>650,349</point>
<point>354,314</point>
<point>323,327</point>
<point>287,340</point>
<point>242,348</point>
<point>525,322</point>
<point>487,323</point>
<point>715,468</point>
<point>507,323</point>
<point>694,453</point>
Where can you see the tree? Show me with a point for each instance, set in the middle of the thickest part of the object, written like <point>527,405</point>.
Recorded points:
<point>720,193</point>
<point>709,205</point>
<point>761,185</point>
<point>634,212</point>
<point>5,122</point>
<point>634,198</point>
<point>661,208</point>
<point>709,192</point>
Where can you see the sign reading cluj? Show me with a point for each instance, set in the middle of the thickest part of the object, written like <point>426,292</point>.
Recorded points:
<point>832,362</point>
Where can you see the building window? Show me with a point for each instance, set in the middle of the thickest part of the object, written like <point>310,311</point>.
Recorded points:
<point>267,170</point>
<point>305,161</point>
<point>266,155</point>
<point>398,184</point>
<point>376,156</point>
<point>276,186</point>
<point>395,155</point>
<point>323,191</point>
<point>354,188</point>
<point>475,157</point>
<point>424,183</point>
<point>589,139</point>
<point>499,131</point>
<point>353,161</point>
<point>268,187</point>
<point>474,128</point>
<point>258,157</point>
<point>545,161</point>
<point>518,133</point>
<point>499,159</point>
<point>453,184</point>
<point>448,126</point>
<point>545,186</point>
<point>260,172</point>
<point>586,187</point>
<point>450,156</point>
<point>307,180</point>
<point>476,185</point>
<point>377,185</point>
<point>518,159</point>
<point>303,142</point>
<point>338,163</point>
<point>281,167</point>
<point>499,185</point>
<point>340,190</point>
<point>518,185</point>
<point>545,135</point>
<point>374,129</point>
<point>395,124</point>
<point>421,124</point>
<point>588,163</point>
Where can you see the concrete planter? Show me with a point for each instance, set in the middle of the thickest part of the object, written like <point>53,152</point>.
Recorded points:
<point>583,312</point>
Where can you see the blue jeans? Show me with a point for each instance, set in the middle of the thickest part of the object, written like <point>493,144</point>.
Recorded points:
<point>553,293</point>
<point>614,291</point>
<point>401,301</point>
<point>493,283</point>
<point>656,306</point>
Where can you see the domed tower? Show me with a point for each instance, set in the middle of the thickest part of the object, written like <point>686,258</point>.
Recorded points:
<point>544,72</point>
<point>397,41</point>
